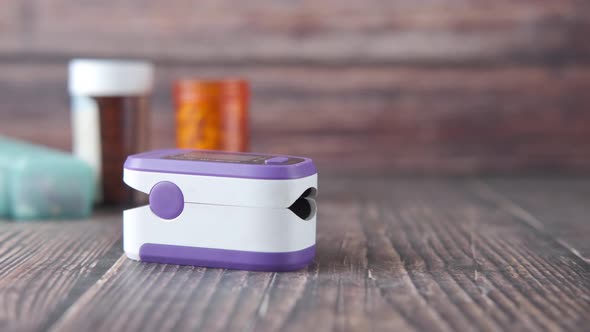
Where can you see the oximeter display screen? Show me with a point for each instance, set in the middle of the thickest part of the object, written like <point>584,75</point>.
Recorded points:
<point>213,156</point>
<point>228,157</point>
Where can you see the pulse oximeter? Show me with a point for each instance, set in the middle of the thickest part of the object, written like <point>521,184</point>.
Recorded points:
<point>222,209</point>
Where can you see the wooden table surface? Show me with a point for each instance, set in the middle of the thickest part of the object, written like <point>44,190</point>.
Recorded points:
<point>429,254</point>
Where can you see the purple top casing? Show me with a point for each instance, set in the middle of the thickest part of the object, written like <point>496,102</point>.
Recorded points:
<point>158,161</point>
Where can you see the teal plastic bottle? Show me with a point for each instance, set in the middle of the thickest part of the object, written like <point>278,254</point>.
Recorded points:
<point>42,183</point>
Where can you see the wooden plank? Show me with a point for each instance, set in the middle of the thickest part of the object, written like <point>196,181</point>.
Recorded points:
<point>14,25</point>
<point>389,118</point>
<point>467,238</point>
<point>411,254</point>
<point>565,217</point>
<point>46,266</point>
<point>331,30</point>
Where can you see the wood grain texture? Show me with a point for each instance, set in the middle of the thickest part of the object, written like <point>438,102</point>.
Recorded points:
<point>449,86</point>
<point>14,25</point>
<point>411,254</point>
<point>330,30</point>
<point>565,218</point>
<point>362,118</point>
<point>45,267</point>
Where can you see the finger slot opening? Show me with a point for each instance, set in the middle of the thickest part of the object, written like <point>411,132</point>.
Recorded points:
<point>305,206</point>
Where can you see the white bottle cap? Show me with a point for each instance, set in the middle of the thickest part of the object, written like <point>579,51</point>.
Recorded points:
<point>95,77</point>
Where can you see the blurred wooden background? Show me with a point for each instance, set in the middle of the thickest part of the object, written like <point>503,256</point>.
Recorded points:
<point>431,86</point>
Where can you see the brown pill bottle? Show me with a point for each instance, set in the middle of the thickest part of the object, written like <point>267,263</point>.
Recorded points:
<point>110,119</point>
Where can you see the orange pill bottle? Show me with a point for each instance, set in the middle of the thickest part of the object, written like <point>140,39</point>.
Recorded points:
<point>211,114</point>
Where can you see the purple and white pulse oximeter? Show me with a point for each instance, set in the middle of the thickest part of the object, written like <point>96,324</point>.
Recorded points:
<point>222,209</point>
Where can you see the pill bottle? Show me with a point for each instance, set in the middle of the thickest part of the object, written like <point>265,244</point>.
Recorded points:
<point>110,119</point>
<point>212,114</point>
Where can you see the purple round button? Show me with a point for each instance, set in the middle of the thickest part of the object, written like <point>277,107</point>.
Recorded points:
<point>166,200</point>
